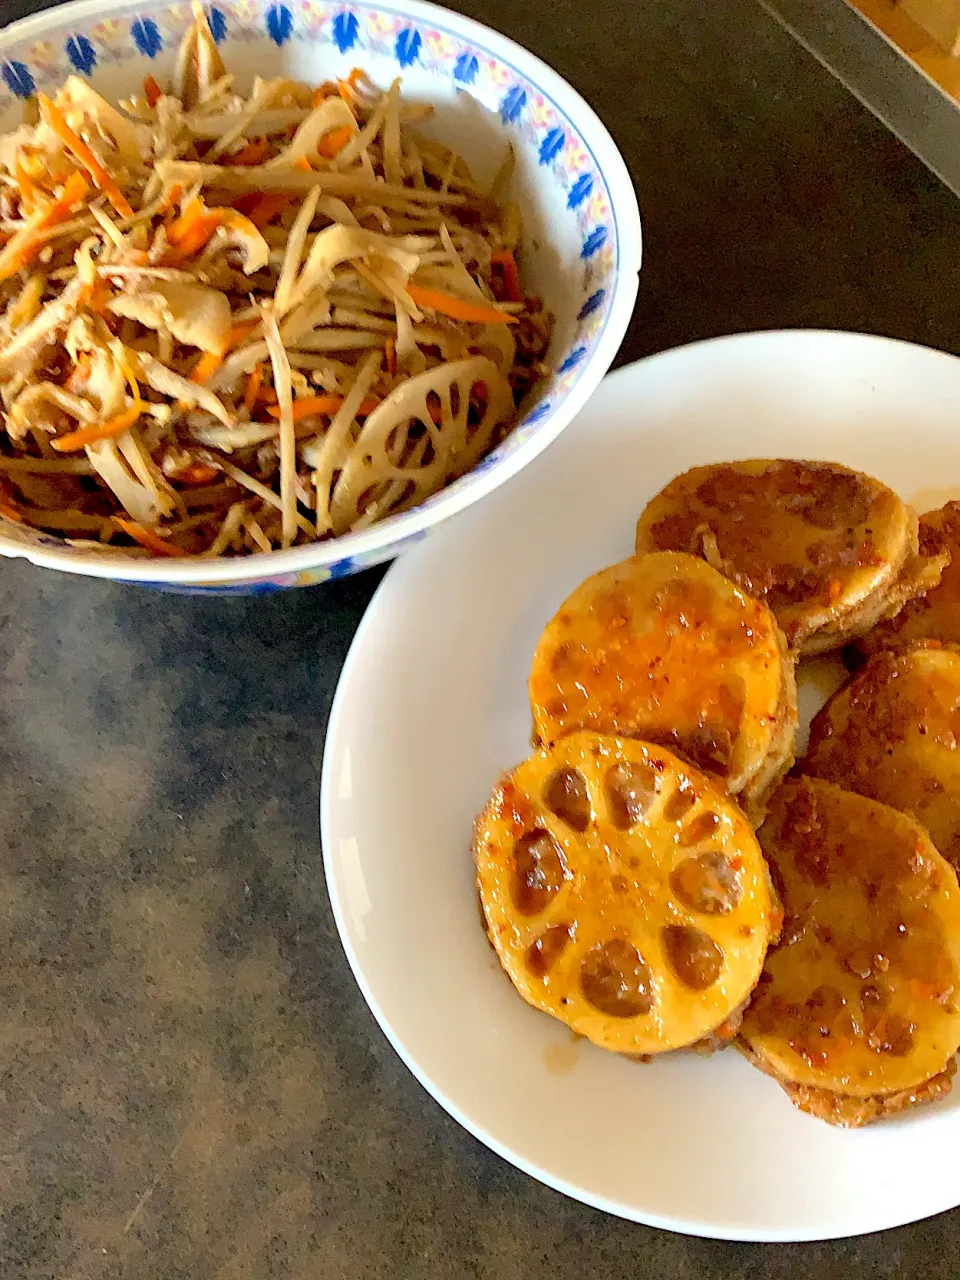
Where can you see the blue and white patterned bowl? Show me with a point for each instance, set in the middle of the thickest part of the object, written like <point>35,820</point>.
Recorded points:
<point>581,249</point>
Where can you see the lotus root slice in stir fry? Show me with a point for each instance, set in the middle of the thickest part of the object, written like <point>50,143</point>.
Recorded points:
<point>234,322</point>
<point>624,893</point>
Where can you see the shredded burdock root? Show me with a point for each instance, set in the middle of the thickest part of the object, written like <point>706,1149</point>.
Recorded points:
<point>231,324</point>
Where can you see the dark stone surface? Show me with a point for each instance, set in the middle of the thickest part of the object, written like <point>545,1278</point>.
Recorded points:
<point>191,1087</point>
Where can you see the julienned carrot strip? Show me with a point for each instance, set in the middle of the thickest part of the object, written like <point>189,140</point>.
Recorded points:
<point>348,88</point>
<point>171,198</point>
<point>507,263</point>
<point>252,389</point>
<point>262,208</point>
<point>332,143</point>
<point>240,333</point>
<point>206,367</point>
<point>191,231</point>
<point>323,91</point>
<point>26,244</point>
<point>99,296</point>
<point>74,190</point>
<point>152,91</point>
<point>310,405</point>
<point>390,352</point>
<point>10,512</point>
<point>56,120</point>
<point>304,164</point>
<point>196,473</point>
<point>449,305</point>
<point>147,538</point>
<point>114,426</point>
<point>80,373</point>
<point>254,152</point>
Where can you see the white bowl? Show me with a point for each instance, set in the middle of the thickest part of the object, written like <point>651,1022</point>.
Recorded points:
<point>581,247</point>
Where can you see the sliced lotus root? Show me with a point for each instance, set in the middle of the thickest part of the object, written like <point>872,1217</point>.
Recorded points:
<point>624,893</point>
<point>862,994</point>
<point>427,431</point>
<point>893,733</point>
<point>935,614</point>
<point>664,648</point>
<point>830,550</point>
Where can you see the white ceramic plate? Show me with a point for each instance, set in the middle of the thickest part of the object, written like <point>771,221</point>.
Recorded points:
<point>432,705</point>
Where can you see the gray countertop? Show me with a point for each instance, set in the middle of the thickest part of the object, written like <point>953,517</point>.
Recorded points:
<point>191,1087</point>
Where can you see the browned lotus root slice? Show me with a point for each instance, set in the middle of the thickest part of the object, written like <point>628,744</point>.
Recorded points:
<point>935,614</point>
<point>624,893</point>
<point>892,733</point>
<point>849,1112</point>
<point>830,550</point>
<point>662,647</point>
<point>860,997</point>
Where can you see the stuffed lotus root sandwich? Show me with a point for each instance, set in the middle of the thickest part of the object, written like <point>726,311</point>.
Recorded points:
<point>891,734</point>
<point>624,893</point>
<point>857,1013</point>
<point>831,551</point>
<point>663,647</point>
<point>934,615</point>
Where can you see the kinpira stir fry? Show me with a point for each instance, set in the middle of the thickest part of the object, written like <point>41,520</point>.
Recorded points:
<point>238,323</point>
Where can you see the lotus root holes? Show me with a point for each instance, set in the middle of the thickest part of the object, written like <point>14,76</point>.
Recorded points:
<point>631,790</point>
<point>701,828</point>
<point>539,871</point>
<point>707,884</point>
<point>692,955</point>
<point>566,795</point>
<point>544,953</point>
<point>680,803</point>
<point>615,980</point>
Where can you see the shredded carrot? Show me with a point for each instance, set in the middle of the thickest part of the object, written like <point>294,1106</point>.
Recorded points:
<point>260,208</point>
<point>348,88</point>
<point>11,513</point>
<point>191,231</point>
<point>196,473</point>
<point>171,199</point>
<point>346,93</point>
<point>79,374</point>
<point>326,90</point>
<point>449,305</point>
<point>147,538</point>
<point>55,120</point>
<point>304,164</point>
<point>152,91</point>
<point>74,190</point>
<point>267,395</point>
<point>211,361</point>
<point>310,405</point>
<point>390,351</point>
<point>99,296</point>
<point>23,248</point>
<point>240,332</point>
<point>332,143</point>
<point>252,389</point>
<point>115,426</point>
<point>206,367</point>
<point>254,152</point>
<point>510,275</point>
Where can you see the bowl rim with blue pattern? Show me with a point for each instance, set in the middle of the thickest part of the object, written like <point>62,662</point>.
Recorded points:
<point>572,146</point>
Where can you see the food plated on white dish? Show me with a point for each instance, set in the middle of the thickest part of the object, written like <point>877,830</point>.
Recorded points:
<point>682,1140</point>
<point>272,317</point>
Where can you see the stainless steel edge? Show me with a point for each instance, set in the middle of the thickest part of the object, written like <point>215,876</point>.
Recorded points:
<point>908,102</point>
